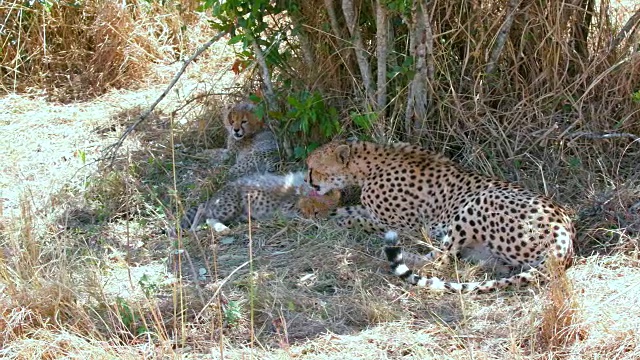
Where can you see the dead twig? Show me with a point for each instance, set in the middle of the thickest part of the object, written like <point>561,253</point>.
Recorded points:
<point>112,150</point>
<point>626,31</point>
<point>597,136</point>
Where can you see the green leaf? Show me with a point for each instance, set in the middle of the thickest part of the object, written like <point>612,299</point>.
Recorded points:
<point>236,39</point>
<point>299,152</point>
<point>255,98</point>
<point>312,146</point>
<point>574,162</point>
<point>362,120</point>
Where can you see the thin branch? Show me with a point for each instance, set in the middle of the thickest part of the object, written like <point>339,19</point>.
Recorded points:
<point>428,42</point>
<point>502,35</point>
<point>596,136</point>
<point>626,31</point>
<point>409,112</point>
<point>361,54</point>
<point>266,76</point>
<point>112,150</point>
<point>382,33</point>
<point>269,94</point>
<point>331,11</point>
<point>417,102</point>
<point>382,52</point>
<point>305,44</point>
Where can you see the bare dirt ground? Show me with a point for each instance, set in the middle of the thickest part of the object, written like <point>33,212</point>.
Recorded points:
<point>93,274</point>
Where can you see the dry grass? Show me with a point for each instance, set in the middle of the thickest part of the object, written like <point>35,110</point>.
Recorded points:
<point>76,51</point>
<point>86,270</point>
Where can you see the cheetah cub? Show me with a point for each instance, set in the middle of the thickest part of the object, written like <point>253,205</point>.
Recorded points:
<point>405,188</point>
<point>250,143</point>
<point>267,195</point>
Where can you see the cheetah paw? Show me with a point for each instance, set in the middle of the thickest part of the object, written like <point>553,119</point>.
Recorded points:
<point>217,226</point>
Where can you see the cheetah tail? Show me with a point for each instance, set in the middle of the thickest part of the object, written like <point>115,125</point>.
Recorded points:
<point>399,268</point>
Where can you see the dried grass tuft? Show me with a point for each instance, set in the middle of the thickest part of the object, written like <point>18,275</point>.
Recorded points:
<point>83,49</point>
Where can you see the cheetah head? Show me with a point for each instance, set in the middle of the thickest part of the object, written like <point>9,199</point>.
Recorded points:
<point>329,167</point>
<point>241,121</point>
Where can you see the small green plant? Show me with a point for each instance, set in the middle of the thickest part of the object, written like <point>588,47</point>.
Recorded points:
<point>232,313</point>
<point>308,121</point>
<point>363,121</point>
<point>635,97</point>
<point>575,163</point>
<point>82,155</point>
<point>129,318</point>
<point>149,286</point>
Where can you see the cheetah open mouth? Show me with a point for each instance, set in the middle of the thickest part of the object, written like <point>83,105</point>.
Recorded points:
<point>314,193</point>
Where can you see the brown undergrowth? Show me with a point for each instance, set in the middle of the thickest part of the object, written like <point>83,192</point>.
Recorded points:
<point>80,50</point>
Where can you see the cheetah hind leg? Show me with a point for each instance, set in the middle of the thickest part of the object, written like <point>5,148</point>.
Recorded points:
<point>440,256</point>
<point>437,259</point>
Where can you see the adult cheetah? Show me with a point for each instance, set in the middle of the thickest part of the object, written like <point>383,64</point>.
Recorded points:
<point>407,188</point>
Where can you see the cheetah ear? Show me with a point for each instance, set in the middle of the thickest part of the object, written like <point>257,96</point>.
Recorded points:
<point>343,153</point>
<point>226,114</point>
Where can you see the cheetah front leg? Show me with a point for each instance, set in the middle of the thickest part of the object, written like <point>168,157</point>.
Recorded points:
<point>357,216</point>
<point>204,214</point>
<point>197,217</point>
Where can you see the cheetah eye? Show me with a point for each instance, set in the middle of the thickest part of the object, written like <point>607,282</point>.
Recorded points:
<point>244,121</point>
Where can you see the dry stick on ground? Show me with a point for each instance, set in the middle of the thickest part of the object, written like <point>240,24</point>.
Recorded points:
<point>112,150</point>
<point>361,54</point>
<point>589,135</point>
<point>627,30</point>
<point>502,36</point>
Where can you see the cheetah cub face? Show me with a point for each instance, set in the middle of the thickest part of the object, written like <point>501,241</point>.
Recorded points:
<point>241,121</point>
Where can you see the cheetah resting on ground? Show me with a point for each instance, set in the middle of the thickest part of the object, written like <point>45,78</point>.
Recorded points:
<point>406,188</point>
<point>250,143</point>
<point>267,194</point>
